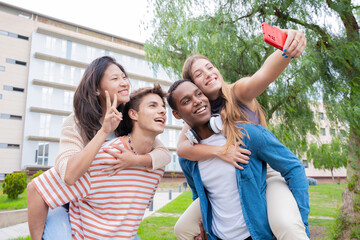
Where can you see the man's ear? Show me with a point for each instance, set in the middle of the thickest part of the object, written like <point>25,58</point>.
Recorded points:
<point>176,114</point>
<point>133,114</point>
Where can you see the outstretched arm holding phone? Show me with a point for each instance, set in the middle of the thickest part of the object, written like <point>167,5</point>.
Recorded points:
<point>248,88</point>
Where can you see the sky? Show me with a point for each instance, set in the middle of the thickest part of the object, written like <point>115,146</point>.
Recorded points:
<point>117,17</point>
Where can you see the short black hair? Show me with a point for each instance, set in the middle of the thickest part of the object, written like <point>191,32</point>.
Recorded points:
<point>172,88</point>
<point>136,97</point>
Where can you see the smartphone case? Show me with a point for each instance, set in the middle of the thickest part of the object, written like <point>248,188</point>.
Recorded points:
<point>273,36</point>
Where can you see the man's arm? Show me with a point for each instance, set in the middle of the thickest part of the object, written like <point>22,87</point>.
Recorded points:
<point>185,166</point>
<point>37,212</point>
<point>56,193</point>
<point>49,190</point>
<point>198,152</point>
<point>280,158</point>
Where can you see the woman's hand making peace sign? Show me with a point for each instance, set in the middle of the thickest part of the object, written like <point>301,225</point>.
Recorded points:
<point>112,116</point>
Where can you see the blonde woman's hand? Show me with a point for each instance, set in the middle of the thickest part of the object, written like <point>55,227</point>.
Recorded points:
<point>112,117</point>
<point>295,43</point>
<point>234,155</point>
<point>202,235</point>
<point>123,159</point>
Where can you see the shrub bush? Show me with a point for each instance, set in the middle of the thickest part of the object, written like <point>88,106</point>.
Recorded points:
<point>14,184</point>
<point>38,173</point>
<point>312,181</point>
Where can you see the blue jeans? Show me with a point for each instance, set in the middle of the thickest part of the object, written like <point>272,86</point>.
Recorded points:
<point>57,225</point>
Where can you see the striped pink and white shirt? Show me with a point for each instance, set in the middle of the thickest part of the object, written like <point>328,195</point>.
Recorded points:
<point>102,207</point>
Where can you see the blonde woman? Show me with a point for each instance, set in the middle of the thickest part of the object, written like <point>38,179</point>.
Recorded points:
<point>237,103</point>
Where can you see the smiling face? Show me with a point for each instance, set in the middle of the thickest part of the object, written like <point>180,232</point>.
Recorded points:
<point>151,116</point>
<point>207,77</point>
<point>191,105</point>
<point>115,82</point>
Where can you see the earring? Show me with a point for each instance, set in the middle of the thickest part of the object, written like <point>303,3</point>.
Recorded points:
<point>98,93</point>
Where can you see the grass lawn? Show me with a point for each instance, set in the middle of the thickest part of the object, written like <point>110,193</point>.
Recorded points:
<point>179,205</point>
<point>325,199</point>
<point>153,228</point>
<point>10,204</point>
<point>163,227</point>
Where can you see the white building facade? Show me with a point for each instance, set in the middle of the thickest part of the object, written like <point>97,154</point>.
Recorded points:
<point>327,131</point>
<point>52,63</point>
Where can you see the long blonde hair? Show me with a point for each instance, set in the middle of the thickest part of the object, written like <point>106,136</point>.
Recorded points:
<point>231,113</point>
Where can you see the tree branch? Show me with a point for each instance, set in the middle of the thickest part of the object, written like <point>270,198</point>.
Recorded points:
<point>344,9</point>
<point>250,14</point>
<point>293,93</point>
<point>312,26</point>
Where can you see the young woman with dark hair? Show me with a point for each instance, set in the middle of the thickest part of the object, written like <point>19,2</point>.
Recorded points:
<point>98,101</point>
<point>237,103</point>
<point>95,119</point>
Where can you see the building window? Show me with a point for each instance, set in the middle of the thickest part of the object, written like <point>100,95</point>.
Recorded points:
<point>2,68</point>
<point>155,70</point>
<point>332,132</point>
<point>42,154</point>
<point>24,15</point>
<point>343,133</point>
<point>172,137</point>
<point>323,131</point>
<point>50,42</point>
<point>321,115</point>
<point>47,95</point>
<point>13,61</point>
<point>9,116</point>
<point>169,116</point>
<point>14,35</point>
<point>9,145</point>
<point>45,124</point>
<point>305,163</point>
<point>0,96</point>
<point>16,89</point>
<point>68,49</point>
<point>22,37</point>
<point>174,157</point>
<point>68,100</point>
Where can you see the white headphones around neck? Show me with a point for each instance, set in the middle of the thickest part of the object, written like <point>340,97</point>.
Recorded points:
<point>214,124</point>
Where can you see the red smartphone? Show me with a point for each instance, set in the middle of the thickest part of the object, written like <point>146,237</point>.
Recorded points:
<point>273,36</point>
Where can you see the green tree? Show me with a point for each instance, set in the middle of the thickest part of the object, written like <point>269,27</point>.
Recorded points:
<point>38,173</point>
<point>14,184</point>
<point>229,33</point>
<point>328,156</point>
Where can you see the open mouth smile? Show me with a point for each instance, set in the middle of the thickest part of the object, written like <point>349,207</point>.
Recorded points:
<point>211,82</point>
<point>200,110</point>
<point>124,92</point>
<point>160,120</point>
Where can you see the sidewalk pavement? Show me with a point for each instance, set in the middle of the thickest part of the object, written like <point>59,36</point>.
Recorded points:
<point>22,230</point>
